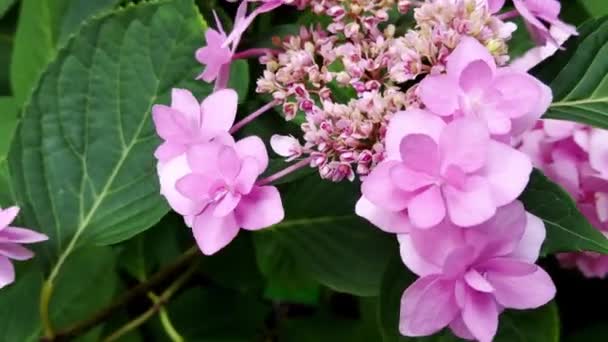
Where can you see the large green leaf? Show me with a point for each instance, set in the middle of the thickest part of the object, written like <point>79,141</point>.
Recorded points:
<point>540,325</point>
<point>8,122</point>
<point>44,26</point>
<point>579,77</point>
<point>595,8</point>
<point>82,158</point>
<point>88,283</point>
<point>5,5</point>
<point>567,229</point>
<point>326,238</point>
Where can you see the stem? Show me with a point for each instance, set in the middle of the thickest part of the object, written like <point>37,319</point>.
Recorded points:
<point>253,53</point>
<point>252,116</point>
<point>508,15</point>
<point>45,300</point>
<point>165,320</point>
<point>302,163</point>
<point>164,297</point>
<point>155,280</point>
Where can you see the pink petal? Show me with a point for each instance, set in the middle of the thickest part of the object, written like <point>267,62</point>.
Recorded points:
<point>413,121</point>
<point>598,151</point>
<point>412,258</point>
<point>21,235</point>
<point>458,262</point>
<point>261,208</point>
<point>183,101</point>
<point>477,75</point>
<point>284,145</point>
<point>7,272</point>
<point>226,205</point>
<point>380,190</point>
<point>464,143</point>
<point>506,266</point>
<point>169,174</point>
<point>247,176</point>
<point>168,150</point>
<point>507,172</point>
<point>254,147</point>
<point>439,93</point>
<point>460,329</point>
<point>471,205</point>
<point>495,5</point>
<point>198,187</point>
<point>427,209</point>
<point>480,315</point>
<point>427,306</point>
<point>204,158</point>
<point>214,233</point>
<point>478,282</point>
<point>468,51</point>
<point>219,110</point>
<point>420,152</point>
<point>528,248</point>
<point>408,180</point>
<point>7,216</point>
<point>389,221</point>
<point>166,127</point>
<point>524,292</point>
<point>229,164</point>
<point>437,244</point>
<point>523,123</point>
<point>15,251</point>
<point>520,92</point>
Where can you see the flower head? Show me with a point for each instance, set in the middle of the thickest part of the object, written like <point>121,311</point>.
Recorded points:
<point>11,239</point>
<point>468,276</point>
<point>434,169</point>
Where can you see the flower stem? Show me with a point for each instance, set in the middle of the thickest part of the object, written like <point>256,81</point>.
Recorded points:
<point>292,168</point>
<point>45,301</point>
<point>165,320</point>
<point>252,116</point>
<point>162,299</point>
<point>253,53</point>
<point>508,15</point>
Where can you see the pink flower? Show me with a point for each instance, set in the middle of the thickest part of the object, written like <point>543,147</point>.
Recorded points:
<point>11,239</point>
<point>468,276</point>
<point>213,185</point>
<point>540,16</point>
<point>243,21</point>
<point>509,101</point>
<point>286,146</point>
<point>214,56</point>
<point>434,169</point>
<point>187,122</point>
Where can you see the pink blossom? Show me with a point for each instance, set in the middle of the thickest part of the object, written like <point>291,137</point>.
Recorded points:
<point>243,21</point>
<point>540,16</point>
<point>11,239</point>
<point>509,101</point>
<point>286,146</point>
<point>214,56</point>
<point>213,185</point>
<point>434,169</point>
<point>468,276</point>
<point>187,122</point>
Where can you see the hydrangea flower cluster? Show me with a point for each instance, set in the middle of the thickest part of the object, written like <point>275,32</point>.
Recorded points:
<point>575,156</point>
<point>430,120</point>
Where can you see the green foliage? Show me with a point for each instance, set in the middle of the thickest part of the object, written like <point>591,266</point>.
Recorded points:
<point>567,228</point>
<point>540,325</point>
<point>578,77</point>
<point>5,5</point>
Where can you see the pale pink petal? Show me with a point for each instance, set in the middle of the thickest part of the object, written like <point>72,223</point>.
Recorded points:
<point>204,158</point>
<point>476,76</point>
<point>538,54</point>
<point>21,235</point>
<point>261,208</point>
<point>413,260</point>
<point>506,266</point>
<point>507,172</point>
<point>284,145</point>
<point>413,121</point>
<point>464,143</point>
<point>199,187</point>
<point>478,282</point>
<point>219,110</point>
<point>213,233</point>
<point>183,101</point>
<point>559,129</point>
<point>254,147</point>
<point>437,244</point>
<point>598,151</point>
<point>427,209</point>
<point>471,205</point>
<point>480,315</point>
<point>166,127</point>
<point>169,173</point>
<point>380,190</point>
<point>427,306</point>
<point>468,50</point>
<point>168,150</point>
<point>7,216</point>
<point>7,272</point>
<point>520,92</point>
<point>389,221</point>
<point>229,164</point>
<point>247,176</point>
<point>15,251</point>
<point>528,248</point>
<point>408,180</point>
<point>420,152</point>
<point>521,124</point>
<point>495,5</point>
<point>439,93</point>
<point>460,329</point>
<point>523,292</point>
<point>227,204</point>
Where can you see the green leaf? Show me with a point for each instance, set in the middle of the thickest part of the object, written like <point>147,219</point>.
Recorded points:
<point>540,325</point>
<point>8,122</point>
<point>88,283</point>
<point>82,158</point>
<point>595,8</point>
<point>326,238</point>
<point>239,78</point>
<point>5,5</point>
<point>579,77</point>
<point>44,26</point>
<point>567,229</point>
